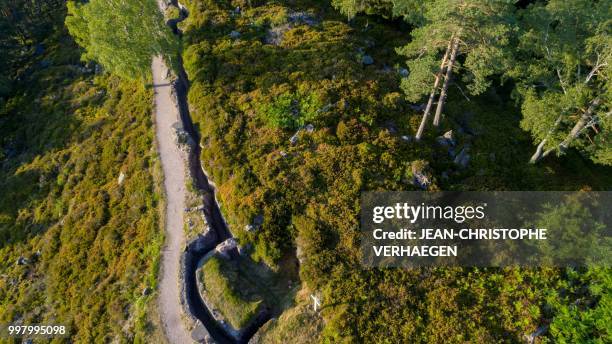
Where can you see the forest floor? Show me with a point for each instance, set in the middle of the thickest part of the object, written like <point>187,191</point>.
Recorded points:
<point>173,164</point>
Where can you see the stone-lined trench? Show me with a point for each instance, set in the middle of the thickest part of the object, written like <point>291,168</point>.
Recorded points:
<point>208,327</point>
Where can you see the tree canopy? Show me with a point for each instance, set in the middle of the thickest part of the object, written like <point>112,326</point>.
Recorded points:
<point>121,35</point>
<point>563,69</point>
<point>477,32</point>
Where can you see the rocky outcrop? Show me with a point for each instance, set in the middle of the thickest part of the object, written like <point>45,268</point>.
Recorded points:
<point>228,249</point>
<point>275,34</point>
<point>463,158</point>
<point>255,225</point>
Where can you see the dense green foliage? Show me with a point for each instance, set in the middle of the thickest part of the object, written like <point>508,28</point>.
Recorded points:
<point>560,65</point>
<point>563,66</point>
<point>77,246</point>
<point>122,36</point>
<point>307,192</point>
<point>482,29</point>
<point>23,23</point>
<point>291,111</point>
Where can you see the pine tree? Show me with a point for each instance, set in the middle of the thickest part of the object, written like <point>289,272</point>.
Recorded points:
<point>474,37</point>
<point>122,36</point>
<point>563,64</point>
<point>410,10</point>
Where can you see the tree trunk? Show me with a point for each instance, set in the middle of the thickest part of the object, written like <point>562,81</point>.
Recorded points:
<point>573,134</point>
<point>419,133</point>
<point>538,153</point>
<point>449,71</point>
<point>537,156</point>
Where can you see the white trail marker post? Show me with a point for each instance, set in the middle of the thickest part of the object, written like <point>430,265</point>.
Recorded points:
<point>316,303</point>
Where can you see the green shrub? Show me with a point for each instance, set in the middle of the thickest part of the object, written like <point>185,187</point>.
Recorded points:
<point>291,110</point>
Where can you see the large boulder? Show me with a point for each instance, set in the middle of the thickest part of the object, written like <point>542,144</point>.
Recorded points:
<point>463,158</point>
<point>181,136</point>
<point>228,249</point>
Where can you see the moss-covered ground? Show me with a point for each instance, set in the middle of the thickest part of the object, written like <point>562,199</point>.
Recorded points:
<point>241,288</point>
<point>260,74</point>
<point>80,198</point>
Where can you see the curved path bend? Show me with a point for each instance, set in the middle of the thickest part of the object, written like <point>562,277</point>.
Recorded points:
<point>173,165</point>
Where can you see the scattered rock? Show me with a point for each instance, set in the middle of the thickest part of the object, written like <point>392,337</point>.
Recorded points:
<point>275,34</point>
<point>450,137</point>
<point>244,250</point>
<point>200,334</point>
<point>446,140</point>
<point>22,260</point>
<point>391,127</point>
<point>403,72</point>
<point>294,139</point>
<point>538,332</point>
<point>302,17</point>
<point>417,107</point>
<point>146,291</point>
<point>234,34</point>
<point>181,137</point>
<point>283,153</point>
<point>257,222</point>
<point>462,159</point>
<point>310,128</point>
<point>406,138</point>
<point>228,249</point>
<point>367,60</point>
<point>121,178</point>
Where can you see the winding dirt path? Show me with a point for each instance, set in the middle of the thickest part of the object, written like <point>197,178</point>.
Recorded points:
<point>173,165</point>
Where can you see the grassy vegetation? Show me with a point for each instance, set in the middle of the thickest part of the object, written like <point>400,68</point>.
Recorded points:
<point>237,305</point>
<point>299,324</point>
<point>77,245</point>
<point>246,99</point>
<point>240,288</point>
